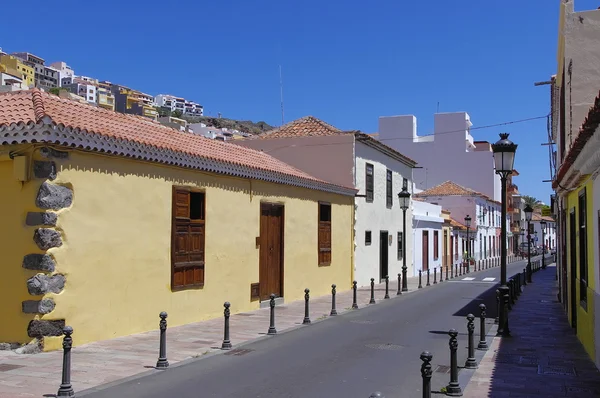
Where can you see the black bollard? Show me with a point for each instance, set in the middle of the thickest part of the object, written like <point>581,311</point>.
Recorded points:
<point>455,271</point>
<point>372,301</point>
<point>354,303</point>
<point>387,287</point>
<point>471,363</point>
<point>506,330</point>
<point>162,362</point>
<point>306,319</point>
<point>453,388</point>
<point>497,306</point>
<point>426,373</point>
<point>435,276</point>
<point>399,292</point>
<point>428,273</point>
<point>376,394</point>
<point>226,313</point>
<point>420,277</point>
<point>524,276</point>
<point>66,389</point>
<point>460,269</point>
<point>333,310</point>
<point>272,329</point>
<point>510,294</point>
<point>482,343</point>
<point>447,272</point>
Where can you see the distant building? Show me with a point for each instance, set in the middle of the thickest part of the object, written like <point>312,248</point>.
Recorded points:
<point>106,99</point>
<point>188,108</point>
<point>64,71</point>
<point>83,89</point>
<point>132,101</point>
<point>17,67</point>
<point>44,76</point>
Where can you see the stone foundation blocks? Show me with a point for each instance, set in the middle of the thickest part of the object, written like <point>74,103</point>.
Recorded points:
<point>44,306</point>
<point>39,328</point>
<point>47,238</point>
<point>53,197</point>
<point>34,219</point>
<point>41,284</point>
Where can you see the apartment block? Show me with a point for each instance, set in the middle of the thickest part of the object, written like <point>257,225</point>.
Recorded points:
<point>16,66</point>
<point>64,71</point>
<point>189,108</point>
<point>44,76</point>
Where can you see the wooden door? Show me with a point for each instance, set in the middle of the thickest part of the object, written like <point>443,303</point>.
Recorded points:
<point>445,245</point>
<point>425,250</point>
<point>451,250</point>
<point>383,255</point>
<point>573,265</point>
<point>271,250</point>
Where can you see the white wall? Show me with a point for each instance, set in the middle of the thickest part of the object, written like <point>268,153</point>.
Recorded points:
<point>447,155</point>
<point>427,217</point>
<point>376,216</point>
<point>550,234</point>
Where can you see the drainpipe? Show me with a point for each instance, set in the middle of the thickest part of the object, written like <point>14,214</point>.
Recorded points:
<point>352,234</point>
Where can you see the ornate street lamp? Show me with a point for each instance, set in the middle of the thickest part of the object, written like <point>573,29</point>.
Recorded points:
<point>522,238</point>
<point>404,197</point>
<point>468,224</point>
<point>504,160</point>
<point>528,214</point>
<point>543,226</point>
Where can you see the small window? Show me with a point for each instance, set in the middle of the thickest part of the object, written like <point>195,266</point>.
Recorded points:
<point>436,245</point>
<point>400,246</point>
<point>367,238</point>
<point>324,234</point>
<point>369,182</point>
<point>388,189</point>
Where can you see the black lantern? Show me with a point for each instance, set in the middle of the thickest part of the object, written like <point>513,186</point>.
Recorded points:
<point>404,197</point>
<point>528,213</point>
<point>468,221</point>
<point>504,155</point>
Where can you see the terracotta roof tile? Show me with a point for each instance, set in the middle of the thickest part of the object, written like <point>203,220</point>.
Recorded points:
<point>308,126</point>
<point>34,105</point>
<point>450,188</point>
<point>456,224</point>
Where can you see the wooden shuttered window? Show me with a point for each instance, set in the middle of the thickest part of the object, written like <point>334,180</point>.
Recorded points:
<point>388,188</point>
<point>188,233</point>
<point>436,245</point>
<point>369,181</point>
<point>324,233</point>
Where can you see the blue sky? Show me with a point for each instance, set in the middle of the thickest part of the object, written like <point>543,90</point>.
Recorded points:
<point>346,62</point>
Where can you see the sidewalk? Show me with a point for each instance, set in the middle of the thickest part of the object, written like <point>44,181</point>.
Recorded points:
<point>543,358</point>
<point>93,364</point>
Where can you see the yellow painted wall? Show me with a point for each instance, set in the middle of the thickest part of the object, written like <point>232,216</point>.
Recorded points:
<point>117,245</point>
<point>14,63</point>
<point>585,318</point>
<point>16,240</point>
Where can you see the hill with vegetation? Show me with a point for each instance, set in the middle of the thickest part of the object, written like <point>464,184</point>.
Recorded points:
<point>246,126</point>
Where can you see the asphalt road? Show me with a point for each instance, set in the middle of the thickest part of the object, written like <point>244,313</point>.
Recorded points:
<point>374,349</point>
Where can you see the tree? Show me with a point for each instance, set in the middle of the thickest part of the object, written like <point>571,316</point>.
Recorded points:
<point>177,113</point>
<point>164,111</point>
<point>531,201</point>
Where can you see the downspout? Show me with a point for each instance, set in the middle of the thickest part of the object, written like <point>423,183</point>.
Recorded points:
<point>352,234</point>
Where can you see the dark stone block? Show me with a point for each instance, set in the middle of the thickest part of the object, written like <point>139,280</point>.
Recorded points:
<point>47,238</point>
<point>49,153</point>
<point>43,169</point>
<point>41,218</point>
<point>41,284</point>
<point>39,262</point>
<point>38,328</point>
<point>44,306</point>
<point>54,197</point>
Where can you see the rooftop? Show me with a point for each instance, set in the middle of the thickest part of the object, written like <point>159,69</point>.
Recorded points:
<point>36,116</point>
<point>450,188</point>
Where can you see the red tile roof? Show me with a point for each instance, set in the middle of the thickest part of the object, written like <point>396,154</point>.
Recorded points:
<point>450,188</point>
<point>35,106</point>
<point>457,225</point>
<point>587,129</point>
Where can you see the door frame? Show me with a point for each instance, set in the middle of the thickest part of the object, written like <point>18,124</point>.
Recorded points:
<point>281,248</point>
<point>383,244</point>
<point>573,266</point>
<point>424,245</point>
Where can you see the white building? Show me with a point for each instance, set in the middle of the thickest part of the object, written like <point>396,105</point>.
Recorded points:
<point>12,81</point>
<point>354,159</point>
<point>450,153</point>
<point>485,214</point>
<point>427,232</point>
<point>64,71</point>
<point>549,234</point>
<point>188,108</point>
<point>82,89</point>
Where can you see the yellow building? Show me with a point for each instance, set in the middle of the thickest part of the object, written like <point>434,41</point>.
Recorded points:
<point>106,99</point>
<point>15,66</point>
<point>109,219</point>
<point>447,241</point>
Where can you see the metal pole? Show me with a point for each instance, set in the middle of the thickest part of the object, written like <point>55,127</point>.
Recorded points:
<point>471,363</point>
<point>428,273</point>
<point>272,329</point>
<point>162,362</point>
<point>435,275</point>
<point>503,232</point>
<point>372,301</point>
<point>529,271</point>
<point>404,268</point>
<point>543,248</point>
<point>387,287</point>
<point>226,313</point>
<point>306,319</point>
<point>420,277</point>
<point>66,389</point>
<point>354,303</point>
<point>497,320</point>
<point>333,310</point>
<point>426,373</point>
<point>399,292</point>
<point>453,388</point>
<point>482,343</point>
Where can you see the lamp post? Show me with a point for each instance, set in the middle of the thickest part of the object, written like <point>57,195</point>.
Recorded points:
<point>404,197</point>
<point>504,159</point>
<point>468,225</point>
<point>522,238</point>
<point>543,227</point>
<point>528,214</point>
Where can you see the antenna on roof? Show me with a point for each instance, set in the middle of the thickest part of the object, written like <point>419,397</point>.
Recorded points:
<point>438,107</point>
<point>281,94</point>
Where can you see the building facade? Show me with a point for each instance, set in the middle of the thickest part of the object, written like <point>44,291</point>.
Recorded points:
<point>173,103</point>
<point>221,223</point>
<point>575,111</point>
<point>377,171</point>
<point>17,67</point>
<point>428,235</point>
